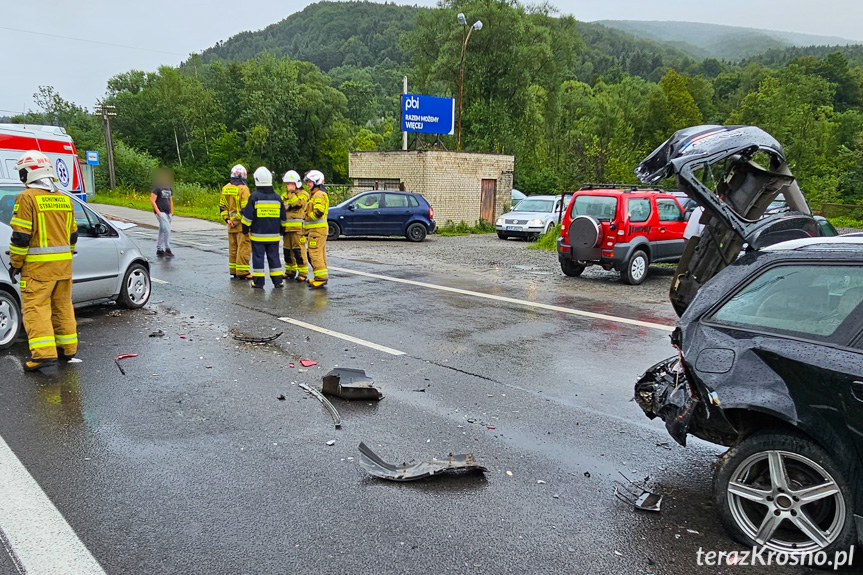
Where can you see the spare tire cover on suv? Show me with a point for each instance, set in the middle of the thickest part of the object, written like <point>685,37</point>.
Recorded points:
<point>585,232</point>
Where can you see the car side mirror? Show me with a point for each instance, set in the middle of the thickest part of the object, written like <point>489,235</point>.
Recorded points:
<point>100,229</point>
<point>352,207</point>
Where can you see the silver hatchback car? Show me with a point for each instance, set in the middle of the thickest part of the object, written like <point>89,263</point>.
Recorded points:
<point>107,265</point>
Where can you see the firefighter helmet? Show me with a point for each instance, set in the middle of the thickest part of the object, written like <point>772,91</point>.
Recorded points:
<point>33,166</point>
<point>263,177</point>
<point>292,177</point>
<point>238,171</point>
<point>315,177</point>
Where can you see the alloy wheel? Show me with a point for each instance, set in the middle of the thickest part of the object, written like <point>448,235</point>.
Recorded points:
<point>138,287</point>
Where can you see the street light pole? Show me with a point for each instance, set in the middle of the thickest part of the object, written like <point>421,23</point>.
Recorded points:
<point>465,38</point>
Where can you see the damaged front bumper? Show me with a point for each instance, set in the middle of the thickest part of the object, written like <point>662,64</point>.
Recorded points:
<point>685,405</point>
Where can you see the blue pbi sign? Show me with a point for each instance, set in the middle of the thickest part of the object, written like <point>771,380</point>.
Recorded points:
<point>92,158</point>
<point>428,114</point>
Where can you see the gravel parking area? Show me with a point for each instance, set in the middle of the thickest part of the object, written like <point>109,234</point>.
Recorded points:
<point>510,262</point>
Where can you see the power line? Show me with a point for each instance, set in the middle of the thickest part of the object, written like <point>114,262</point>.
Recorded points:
<point>91,41</point>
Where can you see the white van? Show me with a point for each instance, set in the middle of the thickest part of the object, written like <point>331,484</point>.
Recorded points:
<point>54,142</point>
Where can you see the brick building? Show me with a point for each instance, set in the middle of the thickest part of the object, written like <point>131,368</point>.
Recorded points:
<point>460,186</point>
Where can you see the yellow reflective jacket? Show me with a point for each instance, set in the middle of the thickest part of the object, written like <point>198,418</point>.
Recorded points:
<point>231,203</point>
<point>316,210</point>
<point>44,234</point>
<point>295,208</point>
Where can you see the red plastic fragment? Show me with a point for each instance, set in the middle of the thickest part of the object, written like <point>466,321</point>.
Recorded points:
<point>125,356</point>
<point>308,362</point>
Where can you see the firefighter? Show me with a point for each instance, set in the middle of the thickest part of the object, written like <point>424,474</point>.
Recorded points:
<point>315,226</point>
<point>44,234</point>
<point>264,221</point>
<point>295,199</point>
<point>234,198</point>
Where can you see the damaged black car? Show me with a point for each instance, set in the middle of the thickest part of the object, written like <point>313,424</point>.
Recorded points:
<point>769,349</point>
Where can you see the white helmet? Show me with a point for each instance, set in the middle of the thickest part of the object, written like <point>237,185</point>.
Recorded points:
<point>292,177</point>
<point>263,177</point>
<point>315,177</point>
<point>34,165</point>
<point>238,171</point>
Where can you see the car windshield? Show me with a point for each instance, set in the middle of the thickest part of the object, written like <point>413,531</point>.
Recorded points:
<point>529,205</point>
<point>7,201</point>
<point>600,207</point>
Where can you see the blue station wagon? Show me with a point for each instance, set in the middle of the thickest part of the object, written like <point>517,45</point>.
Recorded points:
<point>379,213</point>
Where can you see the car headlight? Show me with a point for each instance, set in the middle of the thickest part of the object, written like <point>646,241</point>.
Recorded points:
<point>536,223</point>
<point>499,222</point>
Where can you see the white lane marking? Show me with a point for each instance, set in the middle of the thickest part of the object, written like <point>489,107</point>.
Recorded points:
<point>345,337</point>
<point>158,281</point>
<point>567,310</point>
<point>41,539</point>
<point>176,241</point>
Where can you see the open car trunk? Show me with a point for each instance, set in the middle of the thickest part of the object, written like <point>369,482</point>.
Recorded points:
<point>715,166</point>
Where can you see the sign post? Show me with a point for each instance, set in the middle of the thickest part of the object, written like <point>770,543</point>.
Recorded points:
<point>404,134</point>
<point>92,158</point>
<point>428,114</point>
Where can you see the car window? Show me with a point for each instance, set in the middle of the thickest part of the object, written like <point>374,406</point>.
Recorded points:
<point>668,210</point>
<point>7,202</point>
<point>368,202</point>
<point>639,209</point>
<point>600,207</point>
<point>395,201</point>
<point>803,300</point>
<point>529,205</point>
<point>414,202</point>
<point>85,225</point>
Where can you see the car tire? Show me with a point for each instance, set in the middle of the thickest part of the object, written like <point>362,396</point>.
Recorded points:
<point>571,268</point>
<point>136,288</point>
<point>416,232</point>
<point>502,236</point>
<point>747,470</point>
<point>10,319</point>
<point>333,231</point>
<point>635,271</point>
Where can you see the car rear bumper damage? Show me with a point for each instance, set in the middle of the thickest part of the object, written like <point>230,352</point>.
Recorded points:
<point>666,391</point>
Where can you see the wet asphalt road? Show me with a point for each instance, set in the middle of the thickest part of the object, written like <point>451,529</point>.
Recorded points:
<point>190,464</point>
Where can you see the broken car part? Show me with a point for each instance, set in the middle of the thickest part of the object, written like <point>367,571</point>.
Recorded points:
<point>376,466</point>
<point>249,339</point>
<point>337,419</point>
<point>350,383</point>
<point>723,157</point>
<point>121,357</point>
<point>642,499</point>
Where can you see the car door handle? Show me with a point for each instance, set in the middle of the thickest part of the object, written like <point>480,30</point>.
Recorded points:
<point>661,229</point>
<point>857,390</point>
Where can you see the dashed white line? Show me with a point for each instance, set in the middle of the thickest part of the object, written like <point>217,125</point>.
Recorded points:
<point>158,281</point>
<point>40,538</point>
<point>343,336</point>
<point>556,308</point>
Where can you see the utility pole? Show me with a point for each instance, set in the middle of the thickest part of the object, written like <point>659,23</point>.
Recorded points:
<point>465,38</point>
<point>108,112</point>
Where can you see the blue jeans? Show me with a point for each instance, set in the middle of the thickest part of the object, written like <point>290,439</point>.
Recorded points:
<point>163,242</point>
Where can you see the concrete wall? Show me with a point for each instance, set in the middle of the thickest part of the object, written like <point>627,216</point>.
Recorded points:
<point>450,181</point>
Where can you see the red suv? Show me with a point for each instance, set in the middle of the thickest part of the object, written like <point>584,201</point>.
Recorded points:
<point>621,228</point>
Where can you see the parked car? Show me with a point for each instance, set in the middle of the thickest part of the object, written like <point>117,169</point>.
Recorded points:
<point>770,364</point>
<point>531,217</point>
<point>380,213</point>
<point>621,228</point>
<point>107,265</point>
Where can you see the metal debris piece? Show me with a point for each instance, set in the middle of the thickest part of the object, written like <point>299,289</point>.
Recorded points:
<point>649,502</point>
<point>643,499</point>
<point>350,383</point>
<point>248,339</point>
<point>337,419</point>
<point>376,466</point>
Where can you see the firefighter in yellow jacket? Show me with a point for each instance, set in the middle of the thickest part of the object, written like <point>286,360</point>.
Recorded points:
<point>44,234</point>
<point>232,201</point>
<point>295,198</point>
<point>315,226</point>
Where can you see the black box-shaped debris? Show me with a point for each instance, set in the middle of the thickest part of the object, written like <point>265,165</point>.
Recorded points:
<point>350,383</point>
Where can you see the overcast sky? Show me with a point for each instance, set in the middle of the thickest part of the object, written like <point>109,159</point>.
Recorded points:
<point>172,29</point>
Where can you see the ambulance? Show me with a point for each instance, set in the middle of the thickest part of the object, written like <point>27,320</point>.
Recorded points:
<point>54,142</point>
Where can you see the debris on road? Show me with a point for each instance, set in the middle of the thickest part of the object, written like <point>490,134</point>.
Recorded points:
<point>337,419</point>
<point>281,397</point>
<point>308,362</point>
<point>249,339</point>
<point>643,501</point>
<point>376,466</point>
<point>349,384</point>
<point>291,364</point>
<point>75,360</point>
<point>123,356</point>
<point>159,333</point>
<point>331,442</point>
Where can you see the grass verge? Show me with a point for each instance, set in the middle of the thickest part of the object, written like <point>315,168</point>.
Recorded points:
<point>463,229</point>
<point>547,241</point>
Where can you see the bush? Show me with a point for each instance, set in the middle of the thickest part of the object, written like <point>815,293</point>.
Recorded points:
<point>133,169</point>
<point>463,228</point>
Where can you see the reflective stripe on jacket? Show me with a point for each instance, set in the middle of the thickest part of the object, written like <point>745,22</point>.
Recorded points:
<point>264,216</point>
<point>316,210</point>
<point>44,234</point>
